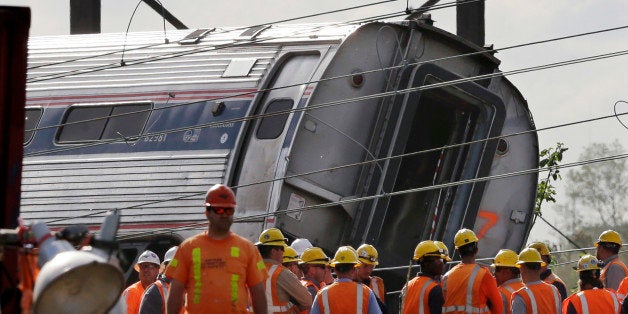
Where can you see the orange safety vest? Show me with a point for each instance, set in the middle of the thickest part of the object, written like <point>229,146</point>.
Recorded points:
<point>622,290</point>
<point>163,287</point>
<point>607,266</point>
<point>593,301</point>
<point>552,278</point>
<point>417,293</point>
<point>507,289</point>
<point>272,298</point>
<point>133,296</point>
<point>344,297</point>
<point>377,286</point>
<point>461,289</point>
<point>541,298</point>
<point>308,283</point>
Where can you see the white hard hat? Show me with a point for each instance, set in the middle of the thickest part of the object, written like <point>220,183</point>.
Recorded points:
<point>170,253</point>
<point>147,257</point>
<point>300,245</point>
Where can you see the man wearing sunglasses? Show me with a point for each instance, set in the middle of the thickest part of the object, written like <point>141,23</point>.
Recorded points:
<point>217,269</point>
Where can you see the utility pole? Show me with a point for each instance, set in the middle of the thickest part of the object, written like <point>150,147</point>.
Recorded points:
<point>84,16</point>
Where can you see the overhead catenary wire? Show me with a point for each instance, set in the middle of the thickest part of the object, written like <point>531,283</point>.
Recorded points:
<point>200,50</point>
<point>220,31</point>
<point>349,100</point>
<point>97,213</point>
<point>396,193</point>
<point>333,78</point>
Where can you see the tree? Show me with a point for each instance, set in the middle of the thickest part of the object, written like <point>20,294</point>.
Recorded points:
<point>598,190</point>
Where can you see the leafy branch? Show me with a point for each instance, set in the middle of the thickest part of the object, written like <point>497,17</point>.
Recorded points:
<point>550,158</point>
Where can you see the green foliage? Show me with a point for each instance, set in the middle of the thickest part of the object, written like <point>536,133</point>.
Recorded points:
<point>549,159</point>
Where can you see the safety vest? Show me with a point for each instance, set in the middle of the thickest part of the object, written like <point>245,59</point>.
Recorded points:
<point>163,291</point>
<point>308,283</point>
<point>552,278</point>
<point>615,261</point>
<point>377,286</point>
<point>461,289</point>
<point>272,298</point>
<point>507,289</point>
<point>541,298</point>
<point>622,290</point>
<point>416,296</point>
<point>593,301</point>
<point>344,297</point>
<point>135,291</point>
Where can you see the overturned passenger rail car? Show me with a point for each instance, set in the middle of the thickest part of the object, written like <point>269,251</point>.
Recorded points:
<point>279,112</point>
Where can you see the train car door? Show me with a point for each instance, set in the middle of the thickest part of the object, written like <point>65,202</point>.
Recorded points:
<point>259,158</point>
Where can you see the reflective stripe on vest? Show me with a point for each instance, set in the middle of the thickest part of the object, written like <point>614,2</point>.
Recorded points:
<point>422,296</point>
<point>196,267</point>
<point>585,305</point>
<point>325,301</point>
<point>534,309</point>
<point>557,299</point>
<point>468,307</point>
<point>274,305</point>
<point>583,302</point>
<point>359,299</point>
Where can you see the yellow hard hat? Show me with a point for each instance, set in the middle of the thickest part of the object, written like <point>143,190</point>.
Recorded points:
<point>505,258</point>
<point>541,247</point>
<point>464,236</point>
<point>272,237</point>
<point>345,255</point>
<point>588,262</point>
<point>609,236</point>
<point>367,254</point>
<point>443,247</point>
<point>427,248</point>
<point>314,255</point>
<point>530,255</point>
<point>290,255</point>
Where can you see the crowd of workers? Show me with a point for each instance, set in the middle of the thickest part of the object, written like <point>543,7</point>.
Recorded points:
<point>218,271</point>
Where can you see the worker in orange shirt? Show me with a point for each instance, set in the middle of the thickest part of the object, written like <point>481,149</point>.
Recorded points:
<point>614,270</point>
<point>154,298</point>
<point>591,296</point>
<point>148,268</point>
<point>546,272</point>
<point>536,296</point>
<point>367,255</point>
<point>284,291</point>
<point>345,295</point>
<point>217,269</point>
<point>507,275</point>
<point>469,287</point>
<point>423,294</point>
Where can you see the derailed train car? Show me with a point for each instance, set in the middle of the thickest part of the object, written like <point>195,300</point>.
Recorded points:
<point>333,132</point>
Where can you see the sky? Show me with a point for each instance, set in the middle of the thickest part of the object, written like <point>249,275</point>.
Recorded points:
<point>555,96</point>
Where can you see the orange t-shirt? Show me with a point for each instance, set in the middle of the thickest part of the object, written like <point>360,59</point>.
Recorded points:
<point>133,296</point>
<point>216,273</point>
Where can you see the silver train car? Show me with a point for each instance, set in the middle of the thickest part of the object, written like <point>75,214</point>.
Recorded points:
<point>338,133</point>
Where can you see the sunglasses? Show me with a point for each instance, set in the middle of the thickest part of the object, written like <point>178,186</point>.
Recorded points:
<point>221,210</point>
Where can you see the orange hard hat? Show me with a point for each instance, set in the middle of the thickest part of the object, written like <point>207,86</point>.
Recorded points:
<point>220,195</point>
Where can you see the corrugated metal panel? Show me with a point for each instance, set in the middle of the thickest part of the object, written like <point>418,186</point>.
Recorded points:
<point>61,188</point>
<point>168,64</point>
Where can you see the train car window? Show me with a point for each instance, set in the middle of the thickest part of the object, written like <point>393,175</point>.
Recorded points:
<point>271,127</point>
<point>32,117</point>
<point>127,125</point>
<point>94,123</point>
